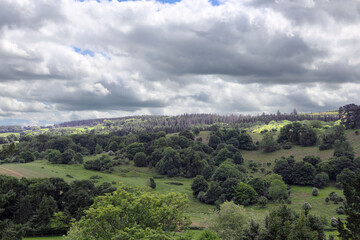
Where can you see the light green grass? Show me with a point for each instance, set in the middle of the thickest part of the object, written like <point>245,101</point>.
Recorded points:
<point>45,238</point>
<point>9,133</point>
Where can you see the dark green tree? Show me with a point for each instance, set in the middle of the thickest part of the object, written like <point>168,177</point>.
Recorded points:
<point>244,194</point>
<point>350,229</point>
<point>199,184</point>
<point>140,159</point>
<point>268,144</point>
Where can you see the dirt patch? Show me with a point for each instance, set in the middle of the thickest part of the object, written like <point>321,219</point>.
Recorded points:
<point>11,172</point>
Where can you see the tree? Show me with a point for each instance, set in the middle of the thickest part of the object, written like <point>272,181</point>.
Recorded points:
<point>132,213</point>
<point>54,156</point>
<point>67,156</point>
<point>350,116</point>
<point>98,149</point>
<point>113,146</point>
<point>199,184</point>
<point>284,167</point>
<point>313,160</point>
<point>259,185</point>
<point>278,190</point>
<point>27,156</point>
<point>226,170</point>
<point>214,141</point>
<point>268,144</point>
<point>222,155</point>
<point>245,142</point>
<point>230,221</point>
<point>346,177</point>
<point>78,158</point>
<point>213,193</point>
<point>303,173</point>
<point>244,194</point>
<point>350,229</point>
<point>134,148</point>
<point>308,136</point>
<point>187,134</point>
<point>140,159</point>
<point>169,164</point>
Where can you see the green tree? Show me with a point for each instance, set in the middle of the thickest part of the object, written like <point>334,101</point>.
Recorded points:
<point>134,148</point>
<point>132,213</point>
<point>346,177</point>
<point>350,229</point>
<point>259,185</point>
<point>67,156</point>
<point>169,164</point>
<point>199,185</point>
<point>222,155</point>
<point>303,173</point>
<point>244,194</point>
<point>284,167</point>
<point>268,144</point>
<point>230,221</point>
<point>140,159</point>
<point>98,149</point>
<point>78,158</point>
<point>278,190</point>
<point>27,156</point>
<point>226,170</point>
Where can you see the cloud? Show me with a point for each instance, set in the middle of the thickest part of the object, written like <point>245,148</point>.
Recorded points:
<point>66,59</point>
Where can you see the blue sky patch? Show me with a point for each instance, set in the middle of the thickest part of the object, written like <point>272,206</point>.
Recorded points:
<point>213,2</point>
<point>84,51</point>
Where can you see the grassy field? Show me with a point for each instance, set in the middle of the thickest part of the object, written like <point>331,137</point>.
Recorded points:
<point>198,212</point>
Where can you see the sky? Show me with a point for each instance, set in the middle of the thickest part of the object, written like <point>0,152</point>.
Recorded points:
<point>67,60</point>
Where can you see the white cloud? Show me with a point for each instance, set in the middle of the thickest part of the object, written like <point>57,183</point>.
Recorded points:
<point>145,57</point>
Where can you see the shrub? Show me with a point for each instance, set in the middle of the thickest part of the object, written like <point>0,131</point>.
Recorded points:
<point>152,183</point>
<point>315,192</point>
<point>334,222</point>
<point>262,201</point>
<point>340,210</point>
<point>208,235</point>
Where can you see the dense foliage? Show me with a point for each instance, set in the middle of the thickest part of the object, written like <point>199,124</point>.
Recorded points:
<point>43,206</point>
<point>132,213</point>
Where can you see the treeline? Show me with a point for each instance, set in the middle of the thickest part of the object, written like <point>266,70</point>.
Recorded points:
<point>42,206</point>
<point>172,123</point>
<point>294,116</point>
<point>8,129</point>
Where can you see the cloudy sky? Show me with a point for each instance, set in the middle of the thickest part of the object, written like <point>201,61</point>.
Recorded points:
<point>67,60</point>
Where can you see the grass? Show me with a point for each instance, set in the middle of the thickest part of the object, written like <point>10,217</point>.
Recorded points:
<point>7,134</point>
<point>45,238</point>
<point>199,213</point>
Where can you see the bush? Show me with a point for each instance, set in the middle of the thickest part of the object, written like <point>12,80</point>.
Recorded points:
<point>315,192</point>
<point>208,235</point>
<point>262,201</point>
<point>307,207</point>
<point>152,183</point>
<point>340,210</point>
<point>287,145</point>
<point>334,222</point>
